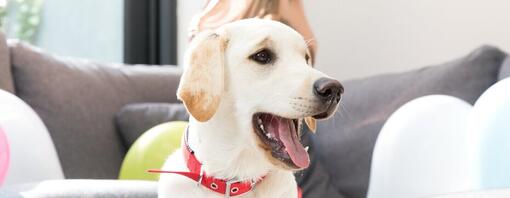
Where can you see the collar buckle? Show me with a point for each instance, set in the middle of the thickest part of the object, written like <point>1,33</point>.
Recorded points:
<point>227,189</point>
<point>253,184</point>
<point>199,181</point>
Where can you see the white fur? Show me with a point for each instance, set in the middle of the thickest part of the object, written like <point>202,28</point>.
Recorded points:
<point>226,144</point>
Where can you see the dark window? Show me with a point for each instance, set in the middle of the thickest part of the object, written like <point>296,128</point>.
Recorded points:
<point>150,32</point>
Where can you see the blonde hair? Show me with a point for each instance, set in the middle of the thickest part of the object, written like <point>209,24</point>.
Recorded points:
<point>219,12</point>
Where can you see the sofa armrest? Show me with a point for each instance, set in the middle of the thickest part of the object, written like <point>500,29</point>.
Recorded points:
<point>6,82</point>
<point>504,72</point>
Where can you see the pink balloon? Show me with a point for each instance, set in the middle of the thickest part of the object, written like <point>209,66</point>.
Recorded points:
<point>4,156</point>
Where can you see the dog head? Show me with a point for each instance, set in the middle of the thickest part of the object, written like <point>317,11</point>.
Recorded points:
<point>263,69</point>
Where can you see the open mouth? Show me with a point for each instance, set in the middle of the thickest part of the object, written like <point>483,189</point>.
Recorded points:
<point>281,135</point>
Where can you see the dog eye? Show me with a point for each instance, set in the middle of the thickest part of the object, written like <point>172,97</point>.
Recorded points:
<point>263,57</point>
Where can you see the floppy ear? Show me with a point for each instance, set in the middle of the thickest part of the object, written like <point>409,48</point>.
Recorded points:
<point>202,82</point>
<point>311,122</point>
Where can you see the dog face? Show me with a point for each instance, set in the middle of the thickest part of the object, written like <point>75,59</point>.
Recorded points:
<point>264,70</point>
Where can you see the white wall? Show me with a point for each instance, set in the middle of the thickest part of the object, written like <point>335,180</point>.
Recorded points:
<point>185,11</point>
<point>360,38</point>
<point>90,29</point>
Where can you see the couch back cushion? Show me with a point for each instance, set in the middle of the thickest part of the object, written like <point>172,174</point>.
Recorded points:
<point>345,142</point>
<point>78,99</point>
<point>5,66</point>
<point>505,69</point>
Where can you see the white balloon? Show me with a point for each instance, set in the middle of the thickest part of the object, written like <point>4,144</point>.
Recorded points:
<point>422,150</point>
<point>32,154</point>
<point>489,125</point>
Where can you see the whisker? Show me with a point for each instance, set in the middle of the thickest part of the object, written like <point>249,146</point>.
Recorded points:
<point>344,110</point>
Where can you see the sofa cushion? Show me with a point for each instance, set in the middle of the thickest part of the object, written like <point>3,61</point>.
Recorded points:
<point>82,188</point>
<point>77,100</point>
<point>504,72</point>
<point>134,119</point>
<point>5,66</point>
<point>344,143</point>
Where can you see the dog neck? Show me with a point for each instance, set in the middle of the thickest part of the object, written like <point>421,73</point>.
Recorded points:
<point>226,151</point>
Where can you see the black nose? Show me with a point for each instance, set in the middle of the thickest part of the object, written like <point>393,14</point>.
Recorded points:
<point>328,89</point>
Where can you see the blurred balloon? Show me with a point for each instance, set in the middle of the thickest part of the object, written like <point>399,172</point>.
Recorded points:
<point>32,154</point>
<point>422,150</point>
<point>489,125</point>
<point>151,150</point>
<point>4,156</point>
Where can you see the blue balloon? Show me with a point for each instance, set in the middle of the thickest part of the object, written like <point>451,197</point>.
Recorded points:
<point>489,126</point>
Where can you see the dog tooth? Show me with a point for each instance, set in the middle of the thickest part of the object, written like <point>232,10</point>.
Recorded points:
<point>306,148</point>
<point>259,121</point>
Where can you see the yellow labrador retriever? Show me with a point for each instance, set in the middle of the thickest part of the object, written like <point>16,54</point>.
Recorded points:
<point>249,86</point>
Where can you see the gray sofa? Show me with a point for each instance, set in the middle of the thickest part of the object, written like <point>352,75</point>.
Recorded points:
<point>94,112</point>
<point>77,101</point>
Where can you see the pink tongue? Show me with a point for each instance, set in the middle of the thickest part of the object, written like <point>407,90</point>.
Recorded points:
<point>288,136</point>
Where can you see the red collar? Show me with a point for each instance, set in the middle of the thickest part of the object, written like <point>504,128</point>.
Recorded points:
<point>222,186</point>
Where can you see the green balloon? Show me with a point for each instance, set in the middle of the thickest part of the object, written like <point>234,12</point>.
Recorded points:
<point>151,150</point>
